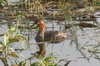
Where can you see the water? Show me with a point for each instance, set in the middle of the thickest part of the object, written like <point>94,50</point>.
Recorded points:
<point>64,50</point>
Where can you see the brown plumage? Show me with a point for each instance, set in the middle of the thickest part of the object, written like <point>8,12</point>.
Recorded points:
<point>48,36</point>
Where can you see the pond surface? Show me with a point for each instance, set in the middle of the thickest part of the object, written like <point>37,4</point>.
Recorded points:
<point>66,50</point>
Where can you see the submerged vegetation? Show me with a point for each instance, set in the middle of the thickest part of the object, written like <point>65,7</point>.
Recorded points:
<point>21,18</point>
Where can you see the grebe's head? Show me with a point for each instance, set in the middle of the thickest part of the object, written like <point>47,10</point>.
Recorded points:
<point>42,25</point>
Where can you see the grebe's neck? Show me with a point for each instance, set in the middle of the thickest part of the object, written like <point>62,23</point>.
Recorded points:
<point>41,33</point>
<point>42,27</point>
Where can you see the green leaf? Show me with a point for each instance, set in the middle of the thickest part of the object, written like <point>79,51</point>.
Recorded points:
<point>13,39</point>
<point>1,34</point>
<point>48,59</point>
<point>35,64</point>
<point>21,36</point>
<point>30,58</point>
<point>12,30</point>
<point>1,46</point>
<point>22,63</point>
<point>6,39</point>
<point>53,64</point>
<point>61,60</point>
